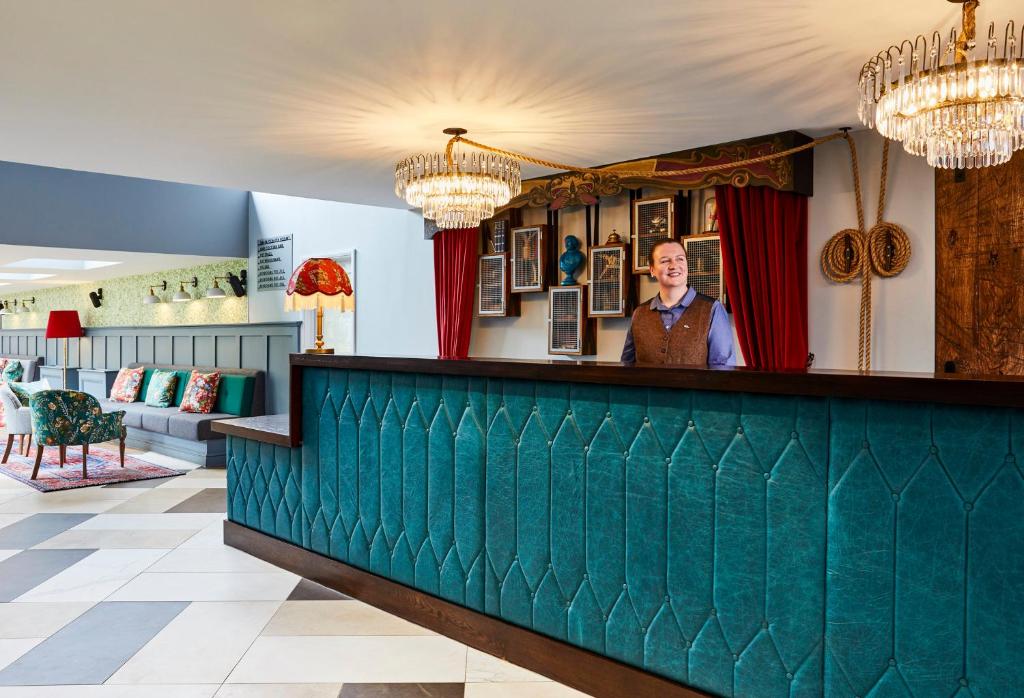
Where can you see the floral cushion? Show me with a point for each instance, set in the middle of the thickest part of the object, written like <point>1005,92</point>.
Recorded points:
<point>13,371</point>
<point>200,393</point>
<point>127,384</point>
<point>71,418</point>
<point>161,389</point>
<point>3,365</point>
<point>20,392</point>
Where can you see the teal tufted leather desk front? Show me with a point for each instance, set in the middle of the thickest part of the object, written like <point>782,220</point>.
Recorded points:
<point>737,541</point>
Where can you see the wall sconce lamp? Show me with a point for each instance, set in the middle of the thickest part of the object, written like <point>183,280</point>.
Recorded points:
<point>237,283</point>
<point>5,307</point>
<point>96,297</point>
<point>183,296</point>
<point>24,305</point>
<point>152,297</point>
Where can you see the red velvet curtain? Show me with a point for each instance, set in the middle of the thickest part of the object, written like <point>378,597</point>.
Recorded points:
<point>764,258</point>
<point>454,281</point>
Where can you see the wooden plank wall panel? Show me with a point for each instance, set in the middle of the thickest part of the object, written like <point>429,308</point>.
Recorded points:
<point>227,354</point>
<point>203,350</point>
<point>163,350</point>
<point>278,348</point>
<point>254,352</point>
<point>182,353</point>
<point>979,270</point>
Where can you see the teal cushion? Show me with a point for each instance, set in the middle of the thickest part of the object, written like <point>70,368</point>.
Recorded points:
<point>13,371</point>
<point>20,392</point>
<point>183,378</point>
<point>234,396</point>
<point>144,390</point>
<point>162,387</point>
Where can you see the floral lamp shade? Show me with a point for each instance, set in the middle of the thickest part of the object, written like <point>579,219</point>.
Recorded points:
<point>318,283</point>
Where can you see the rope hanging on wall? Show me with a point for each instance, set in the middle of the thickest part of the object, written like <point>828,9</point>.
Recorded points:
<point>852,252</point>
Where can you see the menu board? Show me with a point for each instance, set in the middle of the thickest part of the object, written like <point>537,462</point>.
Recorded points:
<point>273,262</point>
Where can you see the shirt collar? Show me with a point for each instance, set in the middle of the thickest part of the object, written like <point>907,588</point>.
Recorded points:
<point>684,302</point>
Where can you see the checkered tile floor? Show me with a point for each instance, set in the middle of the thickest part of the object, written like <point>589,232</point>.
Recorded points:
<point>128,590</point>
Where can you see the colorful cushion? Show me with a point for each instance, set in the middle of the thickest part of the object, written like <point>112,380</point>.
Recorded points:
<point>3,364</point>
<point>20,392</point>
<point>161,388</point>
<point>13,371</point>
<point>201,392</point>
<point>127,385</point>
<point>234,396</point>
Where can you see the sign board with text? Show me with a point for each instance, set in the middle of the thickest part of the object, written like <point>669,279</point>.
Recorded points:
<point>273,263</point>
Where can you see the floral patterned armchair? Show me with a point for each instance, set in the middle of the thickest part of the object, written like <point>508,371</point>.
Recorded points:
<point>65,418</point>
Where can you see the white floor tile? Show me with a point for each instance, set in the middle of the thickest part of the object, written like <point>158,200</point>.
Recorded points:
<point>219,559</point>
<point>4,554</point>
<point>24,620</point>
<point>279,690</point>
<point>338,618</point>
<point>154,500</point>
<point>14,648</point>
<point>95,577</point>
<point>8,519</point>
<point>150,522</point>
<point>210,537</point>
<point>86,500</point>
<point>221,586</point>
<point>201,645</point>
<point>107,691</point>
<point>77,538</point>
<point>521,690</point>
<point>482,667</point>
<point>352,659</point>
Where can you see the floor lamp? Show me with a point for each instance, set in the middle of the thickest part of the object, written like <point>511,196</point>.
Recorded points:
<point>63,324</point>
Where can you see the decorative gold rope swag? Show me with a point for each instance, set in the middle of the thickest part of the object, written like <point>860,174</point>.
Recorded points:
<point>853,252</point>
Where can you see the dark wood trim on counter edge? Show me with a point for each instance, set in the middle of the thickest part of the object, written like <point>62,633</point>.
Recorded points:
<point>584,670</point>
<point>995,391</point>
<point>271,429</point>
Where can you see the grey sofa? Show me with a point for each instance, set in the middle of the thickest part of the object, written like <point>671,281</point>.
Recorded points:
<point>185,435</point>
<point>31,365</point>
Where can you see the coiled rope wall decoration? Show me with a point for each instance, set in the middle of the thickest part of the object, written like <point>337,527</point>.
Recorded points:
<point>852,252</point>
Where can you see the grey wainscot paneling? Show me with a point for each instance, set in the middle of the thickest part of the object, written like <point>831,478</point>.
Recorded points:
<point>263,346</point>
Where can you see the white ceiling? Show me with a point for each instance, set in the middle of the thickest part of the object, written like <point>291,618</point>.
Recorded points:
<point>320,97</point>
<point>130,263</point>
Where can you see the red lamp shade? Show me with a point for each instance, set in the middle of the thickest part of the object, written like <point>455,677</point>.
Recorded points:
<point>319,282</point>
<point>62,324</point>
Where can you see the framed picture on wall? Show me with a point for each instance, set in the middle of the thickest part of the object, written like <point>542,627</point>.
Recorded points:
<point>339,328</point>
<point>710,214</point>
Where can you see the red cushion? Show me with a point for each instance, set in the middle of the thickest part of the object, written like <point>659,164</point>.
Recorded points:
<point>127,385</point>
<point>200,393</point>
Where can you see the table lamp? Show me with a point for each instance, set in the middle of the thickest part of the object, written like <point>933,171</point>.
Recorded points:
<point>63,324</point>
<point>319,283</point>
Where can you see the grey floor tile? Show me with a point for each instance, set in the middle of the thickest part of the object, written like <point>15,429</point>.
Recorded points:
<point>402,690</point>
<point>30,568</point>
<point>307,590</point>
<point>212,500</point>
<point>37,528</point>
<point>91,648</point>
<point>138,484</point>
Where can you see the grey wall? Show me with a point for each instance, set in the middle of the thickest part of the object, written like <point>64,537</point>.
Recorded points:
<point>262,346</point>
<point>83,210</point>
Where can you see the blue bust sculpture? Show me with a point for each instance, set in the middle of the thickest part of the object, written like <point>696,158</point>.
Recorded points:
<point>571,260</point>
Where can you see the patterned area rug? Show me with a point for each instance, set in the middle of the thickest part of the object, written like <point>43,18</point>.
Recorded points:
<point>104,468</point>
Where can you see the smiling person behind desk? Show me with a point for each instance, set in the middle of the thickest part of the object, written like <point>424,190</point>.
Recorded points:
<point>679,325</point>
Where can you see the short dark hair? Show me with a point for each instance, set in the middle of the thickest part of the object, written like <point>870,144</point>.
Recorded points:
<point>659,243</point>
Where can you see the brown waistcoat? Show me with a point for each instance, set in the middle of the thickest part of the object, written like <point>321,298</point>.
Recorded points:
<point>687,341</point>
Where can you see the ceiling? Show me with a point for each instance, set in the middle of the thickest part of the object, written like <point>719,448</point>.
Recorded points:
<point>318,98</point>
<point>130,264</point>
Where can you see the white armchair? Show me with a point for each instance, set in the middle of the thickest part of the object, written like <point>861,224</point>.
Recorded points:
<point>18,418</point>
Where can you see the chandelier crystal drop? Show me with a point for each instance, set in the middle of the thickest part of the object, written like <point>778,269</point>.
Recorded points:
<point>948,102</point>
<point>460,191</point>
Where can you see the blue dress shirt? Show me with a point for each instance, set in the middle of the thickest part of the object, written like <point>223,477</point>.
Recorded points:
<point>720,348</point>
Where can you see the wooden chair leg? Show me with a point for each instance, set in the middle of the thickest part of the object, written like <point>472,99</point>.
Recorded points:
<point>121,445</point>
<point>7,451</point>
<point>28,445</point>
<point>85,458</point>
<point>21,443</point>
<point>63,454</point>
<point>39,459</point>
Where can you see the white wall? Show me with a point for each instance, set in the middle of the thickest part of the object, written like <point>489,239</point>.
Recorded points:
<point>904,317</point>
<point>394,267</point>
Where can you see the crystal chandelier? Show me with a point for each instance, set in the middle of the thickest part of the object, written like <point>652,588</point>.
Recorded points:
<point>949,103</point>
<point>457,189</point>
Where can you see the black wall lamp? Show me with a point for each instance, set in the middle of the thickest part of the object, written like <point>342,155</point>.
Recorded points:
<point>237,284</point>
<point>96,297</point>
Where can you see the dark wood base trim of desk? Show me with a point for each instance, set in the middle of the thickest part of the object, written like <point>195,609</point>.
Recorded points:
<point>583,670</point>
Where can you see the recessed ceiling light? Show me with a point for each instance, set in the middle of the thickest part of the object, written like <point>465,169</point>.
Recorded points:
<point>69,264</point>
<point>18,276</point>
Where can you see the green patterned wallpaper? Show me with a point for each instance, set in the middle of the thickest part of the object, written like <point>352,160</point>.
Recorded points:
<point>123,306</point>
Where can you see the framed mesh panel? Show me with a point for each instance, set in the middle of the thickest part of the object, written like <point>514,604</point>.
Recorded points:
<point>607,281</point>
<point>491,297</point>
<point>704,261</point>
<point>499,235</point>
<point>527,259</point>
<point>653,220</point>
<point>566,322</point>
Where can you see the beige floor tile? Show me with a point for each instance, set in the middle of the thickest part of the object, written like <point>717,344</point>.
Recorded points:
<point>213,559</point>
<point>152,501</point>
<point>221,586</point>
<point>521,690</point>
<point>95,577</point>
<point>8,519</point>
<point>279,690</point>
<point>136,539</point>
<point>201,645</point>
<point>108,691</point>
<point>87,500</point>
<point>338,618</point>
<point>482,667</point>
<point>25,620</point>
<point>8,495</point>
<point>210,537</point>
<point>432,659</point>
<point>11,649</point>
<point>150,522</point>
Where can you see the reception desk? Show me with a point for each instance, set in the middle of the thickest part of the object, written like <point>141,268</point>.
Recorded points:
<point>651,532</point>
